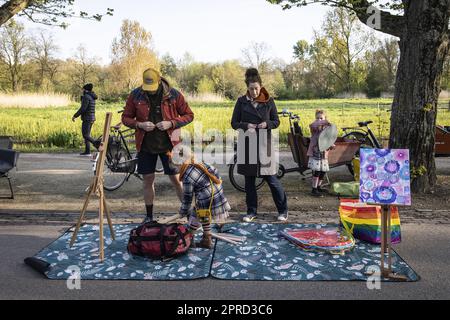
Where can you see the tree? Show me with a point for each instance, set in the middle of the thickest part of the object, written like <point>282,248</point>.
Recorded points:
<point>132,54</point>
<point>43,49</point>
<point>83,69</point>
<point>205,85</point>
<point>381,68</point>
<point>228,79</point>
<point>338,46</point>
<point>168,66</point>
<point>14,49</point>
<point>423,30</point>
<point>301,49</point>
<point>257,55</point>
<point>48,12</point>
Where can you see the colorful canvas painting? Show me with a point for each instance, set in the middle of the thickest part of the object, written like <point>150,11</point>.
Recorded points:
<point>385,177</point>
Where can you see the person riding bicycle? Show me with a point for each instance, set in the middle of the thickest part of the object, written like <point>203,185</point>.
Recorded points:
<point>157,112</point>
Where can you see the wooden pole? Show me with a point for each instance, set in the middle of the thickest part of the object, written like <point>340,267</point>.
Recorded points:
<point>81,218</point>
<point>97,188</point>
<point>383,237</point>
<point>389,249</point>
<point>386,246</point>
<point>223,238</point>
<point>108,217</point>
<point>170,219</point>
<point>100,222</point>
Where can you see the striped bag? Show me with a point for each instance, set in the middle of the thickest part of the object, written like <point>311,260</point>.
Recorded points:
<point>364,221</point>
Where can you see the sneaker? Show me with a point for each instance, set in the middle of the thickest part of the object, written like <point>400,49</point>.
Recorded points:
<point>249,217</point>
<point>282,217</point>
<point>316,193</point>
<point>86,154</point>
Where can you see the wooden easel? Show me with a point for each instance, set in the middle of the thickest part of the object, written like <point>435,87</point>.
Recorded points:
<point>386,245</point>
<point>96,187</point>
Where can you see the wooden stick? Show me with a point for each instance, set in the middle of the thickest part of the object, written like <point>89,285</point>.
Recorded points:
<point>81,217</point>
<point>389,227</point>
<point>108,217</point>
<point>215,235</point>
<point>383,237</point>
<point>171,218</point>
<point>232,236</point>
<point>229,238</point>
<point>101,246</point>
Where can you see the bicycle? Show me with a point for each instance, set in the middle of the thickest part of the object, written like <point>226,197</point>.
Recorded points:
<point>366,137</point>
<point>120,163</point>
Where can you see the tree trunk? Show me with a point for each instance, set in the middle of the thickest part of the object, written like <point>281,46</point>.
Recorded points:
<point>11,8</point>
<point>424,47</point>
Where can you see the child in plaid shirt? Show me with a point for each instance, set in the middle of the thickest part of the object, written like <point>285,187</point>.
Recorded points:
<point>202,181</point>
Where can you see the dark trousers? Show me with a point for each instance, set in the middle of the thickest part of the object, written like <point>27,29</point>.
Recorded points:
<point>86,127</point>
<point>278,194</point>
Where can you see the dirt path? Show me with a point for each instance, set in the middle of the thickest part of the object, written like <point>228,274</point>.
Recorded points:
<point>57,182</point>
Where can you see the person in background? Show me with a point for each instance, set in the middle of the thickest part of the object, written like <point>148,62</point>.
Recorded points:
<point>87,113</point>
<point>157,112</point>
<point>318,161</point>
<point>254,112</point>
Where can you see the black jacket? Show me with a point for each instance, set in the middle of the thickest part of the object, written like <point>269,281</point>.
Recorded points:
<point>245,113</point>
<point>87,109</point>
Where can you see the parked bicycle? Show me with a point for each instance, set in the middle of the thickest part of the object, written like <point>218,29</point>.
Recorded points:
<point>120,163</point>
<point>365,136</point>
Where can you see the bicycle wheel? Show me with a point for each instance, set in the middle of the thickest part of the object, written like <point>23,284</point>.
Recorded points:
<point>114,174</point>
<point>365,143</point>
<point>238,180</point>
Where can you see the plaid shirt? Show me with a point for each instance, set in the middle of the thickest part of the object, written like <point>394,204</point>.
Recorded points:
<point>196,182</point>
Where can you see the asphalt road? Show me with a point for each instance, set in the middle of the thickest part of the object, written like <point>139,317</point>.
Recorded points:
<point>425,247</point>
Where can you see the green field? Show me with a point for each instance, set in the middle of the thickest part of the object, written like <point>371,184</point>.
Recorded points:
<point>51,129</point>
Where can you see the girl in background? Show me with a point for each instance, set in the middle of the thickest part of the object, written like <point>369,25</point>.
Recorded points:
<point>318,161</point>
<point>202,181</point>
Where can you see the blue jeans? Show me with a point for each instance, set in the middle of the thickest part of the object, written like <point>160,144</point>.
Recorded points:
<point>278,194</point>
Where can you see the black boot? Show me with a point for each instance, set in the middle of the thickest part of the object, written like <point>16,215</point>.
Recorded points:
<point>315,193</point>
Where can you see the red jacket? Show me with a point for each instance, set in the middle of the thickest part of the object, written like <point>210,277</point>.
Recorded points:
<point>174,109</point>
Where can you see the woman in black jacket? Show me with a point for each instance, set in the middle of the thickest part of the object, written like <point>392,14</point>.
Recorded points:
<point>255,114</point>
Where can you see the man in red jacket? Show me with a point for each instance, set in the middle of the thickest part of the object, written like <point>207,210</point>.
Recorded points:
<point>157,112</point>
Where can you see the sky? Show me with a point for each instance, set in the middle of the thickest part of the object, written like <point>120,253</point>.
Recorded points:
<point>210,30</point>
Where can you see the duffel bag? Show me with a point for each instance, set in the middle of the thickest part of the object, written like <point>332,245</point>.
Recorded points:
<point>345,189</point>
<point>159,241</point>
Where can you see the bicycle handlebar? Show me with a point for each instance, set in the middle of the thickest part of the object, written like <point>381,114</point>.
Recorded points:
<point>292,116</point>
